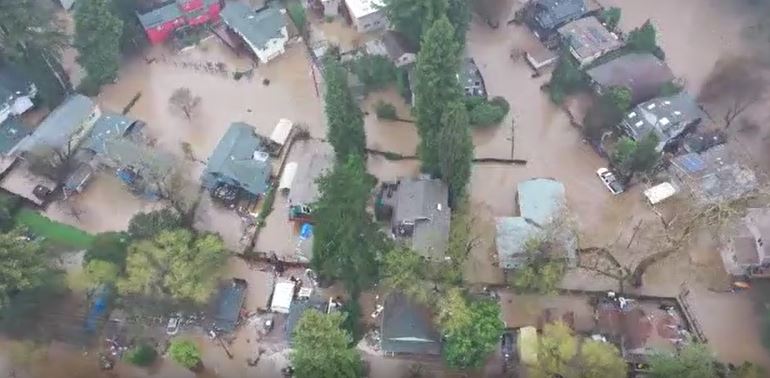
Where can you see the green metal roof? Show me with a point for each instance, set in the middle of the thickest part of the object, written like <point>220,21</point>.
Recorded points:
<point>240,156</point>
<point>541,199</point>
<point>257,28</point>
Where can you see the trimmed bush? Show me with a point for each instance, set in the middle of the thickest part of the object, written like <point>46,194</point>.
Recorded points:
<point>385,110</point>
<point>142,355</point>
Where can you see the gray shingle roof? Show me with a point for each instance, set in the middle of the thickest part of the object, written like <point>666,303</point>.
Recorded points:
<point>12,83</point>
<point>552,13</point>
<point>108,126</point>
<point>541,199</point>
<point>407,328</point>
<point>257,28</point>
<point>12,131</point>
<point>667,117</point>
<point>240,156</point>
<point>512,236</point>
<point>64,121</point>
<point>425,203</point>
<point>159,16</point>
<point>642,73</point>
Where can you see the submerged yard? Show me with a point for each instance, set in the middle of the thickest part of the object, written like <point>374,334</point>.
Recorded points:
<point>56,234</point>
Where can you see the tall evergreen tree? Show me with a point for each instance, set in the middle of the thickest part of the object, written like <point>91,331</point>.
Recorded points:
<point>97,37</point>
<point>455,149</point>
<point>346,241</point>
<point>414,17</point>
<point>345,120</point>
<point>22,266</point>
<point>436,86</point>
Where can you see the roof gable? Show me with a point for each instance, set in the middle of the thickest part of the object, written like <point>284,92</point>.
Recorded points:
<point>424,203</point>
<point>407,327</point>
<point>642,73</point>
<point>259,27</point>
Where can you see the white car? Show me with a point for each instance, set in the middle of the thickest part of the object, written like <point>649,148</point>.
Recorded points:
<point>172,328</point>
<point>609,180</point>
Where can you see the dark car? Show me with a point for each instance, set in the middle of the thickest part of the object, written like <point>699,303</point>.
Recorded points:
<point>507,345</point>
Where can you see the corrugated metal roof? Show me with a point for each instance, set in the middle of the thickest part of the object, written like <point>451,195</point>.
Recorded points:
<point>541,199</point>
<point>407,327</point>
<point>64,121</point>
<point>108,126</point>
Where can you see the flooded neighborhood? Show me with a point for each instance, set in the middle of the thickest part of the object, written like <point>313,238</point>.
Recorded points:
<point>264,186</point>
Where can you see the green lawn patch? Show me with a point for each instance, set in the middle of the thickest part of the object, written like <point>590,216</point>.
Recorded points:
<point>55,233</point>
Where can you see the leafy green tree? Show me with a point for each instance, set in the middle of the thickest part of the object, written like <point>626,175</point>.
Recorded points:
<point>322,348</point>
<point>692,361</point>
<point>748,370</point>
<point>375,71</point>
<point>611,17</point>
<point>9,204</point>
<point>185,353</point>
<point>22,266</point>
<point>403,270</point>
<point>469,344</point>
<point>454,146</point>
<point>176,264</point>
<point>486,114</point>
<point>110,247</point>
<point>540,272</point>
<point>643,38</point>
<point>345,120</point>
<point>454,312</point>
<point>347,242</point>
<point>148,225</point>
<point>97,37</point>
<point>558,347</point>
<point>142,355</point>
<point>632,157</point>
<point>607,112</point>
<point>414,17</point>
<point>32,38</point>
<point>385,110</point>
<point>100,272</point>
<point>598,359</point>
<point>671,88</point>
<point>132,36</point>
<point>566,78</point>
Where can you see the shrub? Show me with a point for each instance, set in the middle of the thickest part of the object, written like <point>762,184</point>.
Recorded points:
<point>9,205</point>
<point>502,103</point>
<point>402,84</point>
<point>142,355</point>
<point>147,225</point>
<point>297,15</point>
<point>385,110</point>
<point>374,71</point>
<point>486,114</point>
<point>110,247</point>
<point>89,87</point>
<point>185,353</point>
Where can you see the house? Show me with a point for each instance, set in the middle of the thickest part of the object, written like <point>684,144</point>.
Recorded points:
<point>228,304</point>
<point>239,160</point>
<point>642,73</point>
<point>699,142</point>
<point>298,308</point>
<point>666,117</point>
<point>263,31</point>
<point>367,15</point>
<point>713,176</point>
<point>108,127</point>
<point>65,128</point>
<point>745,251</point>
<point>420,214</point>
<point>471,80</point>
<point>12,131</point>
<point>541,204</point>
<point>394,46</point>
<point>16,93</point>
<point>546,16</point>
<point>407,328</point>
<point>303,190</point>
<point>588,40</point>
<point>159,23</point>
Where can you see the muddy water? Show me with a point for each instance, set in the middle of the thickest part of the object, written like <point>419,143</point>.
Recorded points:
<point>396,136</point>
<point>290,94</point>
<point>105,205</point>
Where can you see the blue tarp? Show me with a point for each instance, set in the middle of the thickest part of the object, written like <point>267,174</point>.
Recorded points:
<point>98,308</point>
<point>306,231</point>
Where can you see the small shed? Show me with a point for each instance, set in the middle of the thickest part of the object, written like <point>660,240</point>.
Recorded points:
<point>659,193</point>
<point>287,177</point>
<point>528,345</point>
<point>282,297</point>
<point>281,131</point>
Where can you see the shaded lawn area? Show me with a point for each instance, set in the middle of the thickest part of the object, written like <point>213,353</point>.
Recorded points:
<point>56,234</point>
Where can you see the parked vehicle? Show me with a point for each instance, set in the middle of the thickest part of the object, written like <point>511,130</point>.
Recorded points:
<point>507,346</point>
<point>610,181</point>
<point>172,328</point>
